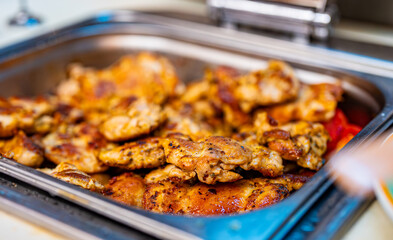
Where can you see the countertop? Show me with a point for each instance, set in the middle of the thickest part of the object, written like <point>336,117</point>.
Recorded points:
<point>373,224</point>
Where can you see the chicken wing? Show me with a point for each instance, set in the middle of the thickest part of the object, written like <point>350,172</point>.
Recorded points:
<point>76,144</point>
<point>145,153</point>
<point>69,173</point>
<point>22,149</point>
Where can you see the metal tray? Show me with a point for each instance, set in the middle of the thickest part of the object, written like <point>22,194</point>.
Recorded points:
<point>35,66</point>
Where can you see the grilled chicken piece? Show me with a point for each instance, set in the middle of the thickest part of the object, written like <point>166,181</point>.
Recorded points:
<point>223,84</point>
<point>140,118</point>
<point>169,171</point>
<point>215,158</point>
<point>303,142</point>
<point>292,181</point>
<point>185,124</point>
<point>22,149</point>
<point>235,96</point>
<point>276,84</point>
<point>144,76</point>
<point>315,103</point>
<point>145,153</point>
<point>264,160</point>
<point>177,197</point>
<point>127,188</point>
<point>29,115</point>
<point>69,173</point>
<point>76,144</point>
<point>38,106</point>
<point>209,162</point>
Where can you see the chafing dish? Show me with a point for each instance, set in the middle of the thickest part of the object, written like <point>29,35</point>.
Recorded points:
<point>36,65</point>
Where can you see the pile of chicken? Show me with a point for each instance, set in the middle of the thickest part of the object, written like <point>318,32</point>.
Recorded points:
<point>228,143</point>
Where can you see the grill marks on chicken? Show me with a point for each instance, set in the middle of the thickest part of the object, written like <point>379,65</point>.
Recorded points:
<point>145,153</point>
<point>199,140</point>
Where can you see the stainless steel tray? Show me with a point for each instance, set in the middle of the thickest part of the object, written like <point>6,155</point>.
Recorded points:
<point>35,66</point>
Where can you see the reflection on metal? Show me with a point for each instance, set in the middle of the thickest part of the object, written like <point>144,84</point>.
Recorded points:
<point>318,4</point>
<point>294,17</point>
<point>24,18</point>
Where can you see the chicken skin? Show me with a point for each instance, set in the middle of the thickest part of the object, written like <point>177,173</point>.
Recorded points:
<point>69,173</point>
<point>22,149</point>
<point>145,153</point>
<point>78,145</point>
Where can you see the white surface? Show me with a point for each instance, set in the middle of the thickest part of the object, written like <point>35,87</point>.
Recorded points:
<point>374,224</point>
<point>15,228</point>
<point>57,13</point>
